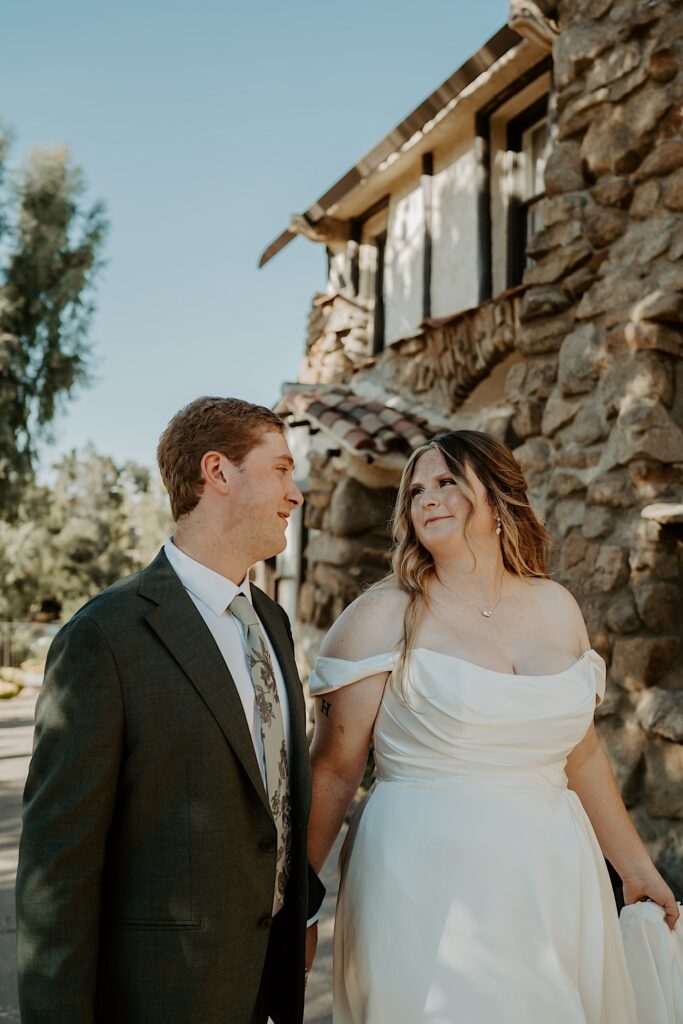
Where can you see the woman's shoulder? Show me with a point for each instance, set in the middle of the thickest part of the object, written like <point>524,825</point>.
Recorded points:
<point>556,605</point>
<point>370,625</point>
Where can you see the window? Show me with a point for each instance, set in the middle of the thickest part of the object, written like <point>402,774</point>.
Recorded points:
<point>527,139</point>
<point>369,236</point>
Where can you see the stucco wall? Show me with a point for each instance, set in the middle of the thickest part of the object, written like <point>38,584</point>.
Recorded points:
<point>403,261</point>
<point>454,230</point>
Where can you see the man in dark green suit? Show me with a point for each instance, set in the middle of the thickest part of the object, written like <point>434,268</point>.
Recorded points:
<point>162,872</point>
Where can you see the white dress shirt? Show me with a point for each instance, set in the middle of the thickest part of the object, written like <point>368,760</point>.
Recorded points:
<point>212,593</point>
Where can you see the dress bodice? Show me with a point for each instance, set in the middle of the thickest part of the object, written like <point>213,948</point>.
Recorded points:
<point>459,720</point>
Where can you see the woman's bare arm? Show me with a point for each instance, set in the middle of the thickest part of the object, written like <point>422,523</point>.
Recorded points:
<point>591,778</point>
<point>344,718</point>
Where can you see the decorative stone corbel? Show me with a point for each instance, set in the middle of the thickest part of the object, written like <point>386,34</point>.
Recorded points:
<point>535,20</point>
<point>326,230</point>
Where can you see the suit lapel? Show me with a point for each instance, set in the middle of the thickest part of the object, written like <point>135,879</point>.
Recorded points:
<point>180,627</point>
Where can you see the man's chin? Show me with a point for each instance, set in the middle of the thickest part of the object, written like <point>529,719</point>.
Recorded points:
<point>277,547</point>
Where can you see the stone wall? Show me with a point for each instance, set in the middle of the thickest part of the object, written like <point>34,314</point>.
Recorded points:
<point>347,546</point>
<point>437,368</point>
<point>600,394</point>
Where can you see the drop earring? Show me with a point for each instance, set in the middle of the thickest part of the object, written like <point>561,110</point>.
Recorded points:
<point>499,528</point>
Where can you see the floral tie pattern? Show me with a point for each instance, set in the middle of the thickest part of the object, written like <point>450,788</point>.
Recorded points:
<point>273,737</point>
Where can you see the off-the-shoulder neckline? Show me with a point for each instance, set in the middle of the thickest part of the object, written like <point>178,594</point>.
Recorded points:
<point>481,668</point>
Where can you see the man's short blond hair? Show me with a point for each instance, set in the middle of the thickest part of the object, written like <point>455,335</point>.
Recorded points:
<point>226,425</point>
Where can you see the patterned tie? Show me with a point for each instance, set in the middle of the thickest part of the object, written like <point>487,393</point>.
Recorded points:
<point>273,736</point>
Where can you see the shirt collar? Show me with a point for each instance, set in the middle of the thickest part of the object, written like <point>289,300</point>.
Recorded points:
<point>208,586</point>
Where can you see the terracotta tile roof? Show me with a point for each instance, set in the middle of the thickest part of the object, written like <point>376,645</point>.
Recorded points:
<point>366,427</point>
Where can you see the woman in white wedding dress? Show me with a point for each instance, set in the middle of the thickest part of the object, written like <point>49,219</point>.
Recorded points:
<point>474,888</point>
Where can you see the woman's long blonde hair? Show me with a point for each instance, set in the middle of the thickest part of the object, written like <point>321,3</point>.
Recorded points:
<point>524,540</point>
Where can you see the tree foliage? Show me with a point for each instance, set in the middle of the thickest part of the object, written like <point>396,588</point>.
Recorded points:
<point>50,249</point>
<point>96,522</point>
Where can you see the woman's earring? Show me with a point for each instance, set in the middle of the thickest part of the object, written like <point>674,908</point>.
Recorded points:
<point>499,528</point>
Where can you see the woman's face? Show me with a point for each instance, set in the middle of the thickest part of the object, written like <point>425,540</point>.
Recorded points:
<point>439,509</point>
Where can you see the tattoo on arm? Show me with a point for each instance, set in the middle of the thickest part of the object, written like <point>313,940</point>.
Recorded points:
<point>325,707</point>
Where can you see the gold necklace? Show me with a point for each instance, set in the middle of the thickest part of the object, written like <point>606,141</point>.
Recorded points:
<point>486,612</point>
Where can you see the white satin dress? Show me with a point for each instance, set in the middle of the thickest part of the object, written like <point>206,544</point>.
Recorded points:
<point>473,887</point>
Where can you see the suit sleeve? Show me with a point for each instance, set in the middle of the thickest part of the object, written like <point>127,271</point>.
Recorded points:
<point>68,805</point>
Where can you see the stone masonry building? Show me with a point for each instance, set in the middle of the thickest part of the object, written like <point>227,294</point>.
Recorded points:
<point>510,258</point>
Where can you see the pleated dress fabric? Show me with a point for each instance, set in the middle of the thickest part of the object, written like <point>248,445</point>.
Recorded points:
<point>655,962</point>
<point>473,888</point>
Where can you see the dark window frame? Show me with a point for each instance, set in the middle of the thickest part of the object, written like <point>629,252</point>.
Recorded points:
<point>518,208</point>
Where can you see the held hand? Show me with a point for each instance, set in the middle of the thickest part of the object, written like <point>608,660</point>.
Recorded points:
<point>649,884</point>
<point>311,943</point>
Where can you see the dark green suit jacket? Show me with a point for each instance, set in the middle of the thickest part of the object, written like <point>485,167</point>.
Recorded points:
<point>147,859</point>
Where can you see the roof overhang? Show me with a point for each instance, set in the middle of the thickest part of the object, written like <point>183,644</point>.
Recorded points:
<point>470,86</point>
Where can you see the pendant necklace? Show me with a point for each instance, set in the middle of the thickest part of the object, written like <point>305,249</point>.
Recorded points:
<point>486,612</point>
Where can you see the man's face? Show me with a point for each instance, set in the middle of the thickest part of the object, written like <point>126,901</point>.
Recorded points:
<point>262,494</point>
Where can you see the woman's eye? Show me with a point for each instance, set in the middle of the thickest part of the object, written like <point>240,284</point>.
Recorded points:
<point>447,480</point>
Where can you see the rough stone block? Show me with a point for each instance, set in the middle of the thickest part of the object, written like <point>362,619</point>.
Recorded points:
<point>660,712</point>
<point>645,375</point>
<point>604,225</point>
<point>654,559</point>
<point>620,135</point>
<point>579,112</point>
<point>645,199</point>
<point>624,744</point>
<point>558,412</point>
<point>578,46</point>
<point>673,191</point>
<point>648,335</point>
<point>665,158</point>
<point>526,421</point>
<point>622,616</point>
<point>638,662</point>
<point>565,209</point>
<point>613,65</point>
<point>659,606</point>
<point>663,64</point>
<point>611,568</point>
<point>580,356</point>
<point>534,459</point>
<point>563,483</point>
<point>644,429</point>
<point>613,490</point>
<point>588,427</point>
<point>612,190</point>
<point>664,778</point>
<point>544,335</point>
<point>567,514</point>
<point>354,508</point>
<point>597,522</point>
<point>563,171</point>
<point>556,264</point>
<point>660,306</point>
<point>619,288</point>
<point>543,301</point>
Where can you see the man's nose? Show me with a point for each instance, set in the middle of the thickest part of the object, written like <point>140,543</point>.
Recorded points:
<point>295,495</point>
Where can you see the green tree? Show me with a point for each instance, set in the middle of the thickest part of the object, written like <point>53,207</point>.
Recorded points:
<point>51,246</point>
<point>95,523</point>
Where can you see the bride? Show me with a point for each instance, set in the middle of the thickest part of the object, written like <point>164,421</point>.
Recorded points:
<point>474,887</point>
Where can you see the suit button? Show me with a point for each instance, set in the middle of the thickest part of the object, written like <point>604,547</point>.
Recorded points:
<point>265,922</point>
<point>267,845</point>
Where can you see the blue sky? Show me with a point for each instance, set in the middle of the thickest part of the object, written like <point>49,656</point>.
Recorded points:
<point>203,126</point>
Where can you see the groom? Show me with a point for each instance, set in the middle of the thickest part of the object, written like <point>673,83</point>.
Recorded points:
<point>162,873</point>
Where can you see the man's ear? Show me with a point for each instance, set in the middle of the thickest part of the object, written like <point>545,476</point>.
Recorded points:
<point>215,471</point>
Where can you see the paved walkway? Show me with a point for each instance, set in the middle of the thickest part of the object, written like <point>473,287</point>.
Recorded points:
<point>16,731</point>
